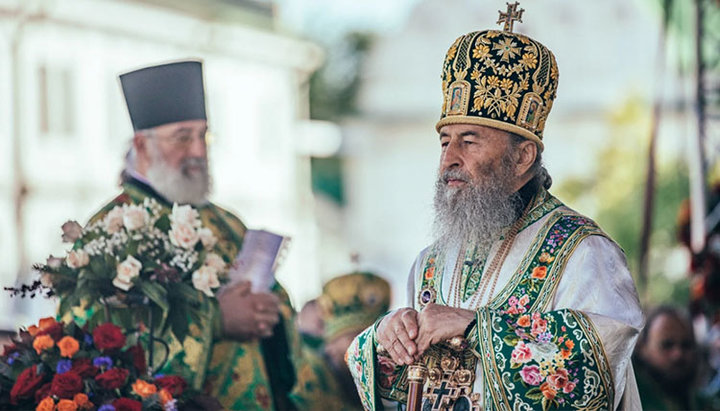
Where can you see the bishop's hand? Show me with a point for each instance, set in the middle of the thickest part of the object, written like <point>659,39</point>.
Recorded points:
<point>438,323</point>
<point>397,332</point>
<point>247,315</point>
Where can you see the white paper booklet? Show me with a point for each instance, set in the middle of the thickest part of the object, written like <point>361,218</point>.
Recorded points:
<point>258,259</point>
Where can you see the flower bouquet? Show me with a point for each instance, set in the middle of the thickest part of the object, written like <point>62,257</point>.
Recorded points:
<point>160,264</point>
<point>53,366</point>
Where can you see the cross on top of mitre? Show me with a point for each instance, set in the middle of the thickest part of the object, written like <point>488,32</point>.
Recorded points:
<point>510,16</point>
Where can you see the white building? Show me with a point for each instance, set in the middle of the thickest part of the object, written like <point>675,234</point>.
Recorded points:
<point>64,127</point>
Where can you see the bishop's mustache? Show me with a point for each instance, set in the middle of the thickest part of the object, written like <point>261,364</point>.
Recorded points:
<point>454,174</point>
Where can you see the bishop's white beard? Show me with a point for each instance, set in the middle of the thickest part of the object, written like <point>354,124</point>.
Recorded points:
<point>180,186</point>
<point>478,212</point>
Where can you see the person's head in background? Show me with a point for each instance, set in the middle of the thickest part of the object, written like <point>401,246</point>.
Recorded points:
<point>169,151</point>
<point>667,347</point>
<point>309,319</point>
<point>349,304</point>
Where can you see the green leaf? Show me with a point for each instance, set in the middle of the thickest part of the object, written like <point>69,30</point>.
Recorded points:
<point>514,365</point>
<point>534,394</point>
<point>178,320</point>
<point>187,293</point>
<point>155,292</point>
<point>511,339</point>
<point>163,223</point>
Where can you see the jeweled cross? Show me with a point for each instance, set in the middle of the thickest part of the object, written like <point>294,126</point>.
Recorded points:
<point>510,16</point>
<point>440,391</point>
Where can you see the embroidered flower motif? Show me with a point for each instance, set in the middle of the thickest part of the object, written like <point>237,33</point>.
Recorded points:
<point>521,354</point>
<point>547,391</point>
<point>524,321</point>
<point>430,273</point>
<point>538,326</point>
<point>559,379</point>
<point>481,51</point>
<point>539,272</point>
<point>528,60</point>
<point>531,375</point>
<point>546,258</point>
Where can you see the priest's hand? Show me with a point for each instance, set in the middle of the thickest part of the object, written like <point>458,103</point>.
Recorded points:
<point>247,315</point>
<point>438,323</point>
<point>397,332</point>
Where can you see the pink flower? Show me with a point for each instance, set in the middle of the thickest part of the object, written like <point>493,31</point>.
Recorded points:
<point>559,379</point>
<point>71,231</point>
<point>521,354</point>
<point>77,258</point>
<point>183,235</point>
<point>531,374</point>
<point>113,221</point>
<point>524,300</point>
<point>512,301</point>
<point>567,389</point>
<point>538,326</point>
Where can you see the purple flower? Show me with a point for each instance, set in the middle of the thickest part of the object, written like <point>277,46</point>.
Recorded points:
<point>63,366</point>
<point>103,362</point>
<point>544,337</point>
<point>106,407</point>
<point>88,339</point>
<point>13,357</point>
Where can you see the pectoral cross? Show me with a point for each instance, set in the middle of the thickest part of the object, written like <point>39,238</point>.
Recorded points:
<point>510,16</point>
<point>440,392</point>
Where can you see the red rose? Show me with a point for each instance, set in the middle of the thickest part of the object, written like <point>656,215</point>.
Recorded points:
<point>138,358</point>
<point>28,381</point>
<point>66,385</point>
<point>84,368</point>
<point>42,392</point>
<point>54,330</point>
<point>112,378</point>
<point>108,337</point>
<point>126,404</point>
<point>174,384</point>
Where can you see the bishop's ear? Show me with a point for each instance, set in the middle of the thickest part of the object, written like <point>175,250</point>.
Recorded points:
<point>526,153</point>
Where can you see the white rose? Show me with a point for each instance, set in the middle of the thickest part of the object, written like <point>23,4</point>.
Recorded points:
<point>135,217</point>
<point>204,279</point>
<point>183,235</point>
<point>114,220</point>
<point>185,214</point>
<point>215,261</point>
<point>126,271</point>
<point>71,231</point>
<point>207,238</point>
<point>543,351</point>
<point>77,258</point>
<point>123,285</point>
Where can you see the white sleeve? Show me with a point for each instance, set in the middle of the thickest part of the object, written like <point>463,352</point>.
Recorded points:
<point>596,281</point>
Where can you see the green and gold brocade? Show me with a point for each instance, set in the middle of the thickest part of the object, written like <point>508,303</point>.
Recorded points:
<point>236,373</point>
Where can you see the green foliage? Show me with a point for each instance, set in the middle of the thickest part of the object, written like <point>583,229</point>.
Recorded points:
<point>334,88</point>
<point>617,190</point>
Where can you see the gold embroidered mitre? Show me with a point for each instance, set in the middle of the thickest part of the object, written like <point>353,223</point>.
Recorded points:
<point>499,79</point>
<point>352,302</point>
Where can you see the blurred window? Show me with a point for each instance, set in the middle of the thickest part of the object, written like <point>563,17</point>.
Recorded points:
<point>56,86</point>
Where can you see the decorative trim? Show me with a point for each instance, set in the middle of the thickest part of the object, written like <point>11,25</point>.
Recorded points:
<point>500,125</point>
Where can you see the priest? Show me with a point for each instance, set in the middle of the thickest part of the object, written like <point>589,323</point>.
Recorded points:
<point>520,302</point>
<point>240,350</point>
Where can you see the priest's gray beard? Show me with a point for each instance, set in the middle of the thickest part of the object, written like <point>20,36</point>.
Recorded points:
<point>179,186</point>
<point>478,212</point>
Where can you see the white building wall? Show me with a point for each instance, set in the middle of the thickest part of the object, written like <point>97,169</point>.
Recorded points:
<point>252,80</point>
